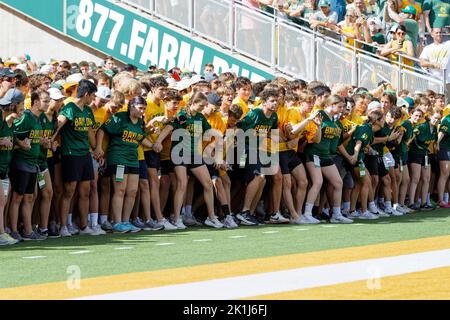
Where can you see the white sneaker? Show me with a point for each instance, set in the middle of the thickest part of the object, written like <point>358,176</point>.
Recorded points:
<point>189,220</point>
<point>396,213</point>
<point>355,214</point>
<point>278,218</point>
<point>88,230</point>
<point>406,209</point>
<point>339,218</point>
<point>399,209</point>
<point>229,222</point>
<point>368,216</point>
<point>98,230</point>
<point>382,214</point>
<point>214,222</point>
<point>64,232</point>
<point>345,212</point>
<point>311,219</point>
<point>167,225</point>
<point>179,224</point>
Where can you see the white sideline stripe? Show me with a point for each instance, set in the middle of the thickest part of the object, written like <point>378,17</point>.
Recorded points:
<point>164,244</point>
<point>288,280</point>
<point>123,248</point>
<point>80,252</point>
<point>201,240</point>
<point>34,257</point>
<point>269,232</point>
<point>236,237</point>
<point>329,226</point>
<point>302,229</point>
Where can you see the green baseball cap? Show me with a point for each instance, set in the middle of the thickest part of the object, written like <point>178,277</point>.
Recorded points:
<point>410,9</point>
<point>324,3</point>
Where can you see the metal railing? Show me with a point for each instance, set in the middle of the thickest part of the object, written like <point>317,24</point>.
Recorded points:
<point>287,47</point>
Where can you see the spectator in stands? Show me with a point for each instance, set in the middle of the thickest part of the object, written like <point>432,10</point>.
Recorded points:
<point>131,69</point>
<point>348,28</point>
<point>407,18</point>
<point>324,17</point>
<point>64,66</point>
<point>339,6</point>
<point>360,8</point>
<point>84,67</point>
<point>373,34</point>
<point>399,45</point>
<point>436,14</point>
<point>303,10</point>
<point>110,66</point>
<point>435,56</point>
<point>7,80</point>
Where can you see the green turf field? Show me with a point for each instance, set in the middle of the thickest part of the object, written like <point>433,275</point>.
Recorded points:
<point>47,261</point>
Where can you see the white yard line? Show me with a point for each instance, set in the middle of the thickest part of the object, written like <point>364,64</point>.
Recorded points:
<point>123,248</point>
<point>237,237</point>
<point>270,232</point>
<point>80,252</point>
<point>201,240</point>
<point>34,257</point>
<point>164,244</point>
<point>288,280</point>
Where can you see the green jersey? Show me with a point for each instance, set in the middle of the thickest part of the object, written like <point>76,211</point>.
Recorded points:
<point>338,140</point>
<point>5,152</point>
<point>257,120</point>
<point>383,132</point>
<point>125,137</point>
<point>412,32</point>
<point>48,129</point>
<point>408,130</point>
<point>195,125</point>
<point>439,12</point>
<point>364,134</point>
<point>28,127</point>
<point>445,129</point>
<point>424,137</point>
<point>330,131</point>
<point>74,134</point>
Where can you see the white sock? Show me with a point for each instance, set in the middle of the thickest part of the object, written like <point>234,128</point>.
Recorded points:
<point>446,197</point>
<point>103,218</point>
<point>372,205</point>
<point>388,205</point>
<point>326,211</point>
<point>308,208</point>
<point>69,219</point>
<point>381,200</point>
<point>428,199</point>
<point>336,211</point>
<point>419,201</point>
<point>183,211</point>
<point>94,219</point>
<point>188,210</point>
<point>346,206</point>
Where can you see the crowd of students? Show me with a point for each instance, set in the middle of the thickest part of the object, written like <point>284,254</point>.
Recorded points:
<point>88,149</point>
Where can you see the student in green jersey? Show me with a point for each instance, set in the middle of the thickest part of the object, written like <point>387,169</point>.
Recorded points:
<point>443,147</point>
<point>356,151</point>
<point>25,166</point>
<point>7,116</point>
<point>194,124</point>
<point>424,135</point>
<point>319,161</point>
<point>126,132</point>
<point>75,122</point>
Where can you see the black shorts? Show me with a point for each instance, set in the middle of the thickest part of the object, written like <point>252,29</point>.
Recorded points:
<point>434,163</point>
<point>77,168</point>
<point>152,159</point>
<point>3,176</point>
<point>143,173</point>
<point>57,155</point>
<point>213,172</point>
<point>443,155</point>
<point>51,167</point>
<point>416,158</point>
<point>375,165</point>
<point>112,169</point>
<point>289,161</point>
<point>22,182</point>
<point>167,167</point>
<point>324,162</point>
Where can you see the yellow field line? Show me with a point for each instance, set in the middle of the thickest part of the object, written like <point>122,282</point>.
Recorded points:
<point>141,280</point>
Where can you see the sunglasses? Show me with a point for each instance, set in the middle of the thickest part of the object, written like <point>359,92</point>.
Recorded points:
<point>401,33</point>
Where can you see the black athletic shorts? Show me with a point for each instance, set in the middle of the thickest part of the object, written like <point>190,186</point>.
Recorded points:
<point>416,158</point>
<point>324,162</point>
<point>77,168</point>
<point>51,167</point>
<point>143,173</point>
<point>22,182</point>
<point>289,161</point>
<point>444,155</point>
<point>434,163</point>
<point>213,172</point>
<point>375,165</point>
<point>167,167</point>
<point>112,169</point>
<point>152,159</point>
<point>3,176</point>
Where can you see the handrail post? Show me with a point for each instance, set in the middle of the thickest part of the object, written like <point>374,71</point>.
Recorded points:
<point>355,80</point>
<point>399,80</point>
<point>274,59</point>
<point>152,6</point>
<point>232,25</point>
<point>444,83</point>
<point>191,16</point>
<point>315,53</point>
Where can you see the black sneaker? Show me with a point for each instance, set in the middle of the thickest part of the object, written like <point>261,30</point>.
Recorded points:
<point>42,233</point>
<point>53,234</point>
<point>254,219</point>
<point>245,218</point>
<point>260,220</point>
<point>427,207</point>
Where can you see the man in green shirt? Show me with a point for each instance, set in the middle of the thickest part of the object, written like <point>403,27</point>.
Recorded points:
<point>436,13</point>
<point>407,18</point>
<point>75,123</point>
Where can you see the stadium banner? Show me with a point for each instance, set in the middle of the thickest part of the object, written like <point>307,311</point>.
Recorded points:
<point>134,39</point>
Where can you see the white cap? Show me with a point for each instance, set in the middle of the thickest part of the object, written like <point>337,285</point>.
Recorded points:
<point>373,105</point>
<point>55,94</point>
<point>103,93</point>
<point>45,69</point>
<point>183,84</point>
<point>377,22</point>
<point>172,83</point>
<point>196,79</point>
<point>23,67</point>
<point>76,77</point>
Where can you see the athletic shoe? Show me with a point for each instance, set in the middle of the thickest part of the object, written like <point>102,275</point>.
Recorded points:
<point>301,220</point>
<point>277,218</point>
<point>43,233</point>
<point>355,214</point>
<point>339,218</point>
<point>88,231</point>
<point>382,214</point>
<point>214,222</point>
<point>427,207</point>
<point>399,209</point>
<point>138,223</point>
<point>189,220</point>
<point>33,236</point>
<point>6,240</point>
<point>229,222</point>
<point>368,216</point>
<point>106,226</point>
<point>246,219</point>
<point>152,225</point>
<point>74,230</point>
<point>345,212</point>
<point>53,234</point>
<point>98,230</point>
<point>167,225</point>
<point>311,219</point>
<point>415,207</point>
<point>443,204</point>
<point>121,228</point>
<point>179,224</point>
<point>64,232</point>
<point>133,229</point>
<point>406,209</point>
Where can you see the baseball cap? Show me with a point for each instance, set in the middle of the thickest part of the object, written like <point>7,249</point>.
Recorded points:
<point>393,28</point>
<point>55,94</point>
<point>401,102</point>
<point>76,77</point>
<point>410,9</point>
<point>410,102</point>
<point>13,95</point>
<point>373,105</point>
<point>6,72</point>
<point>103,93</point>
<point>214,99</point>
<point>376,21</point>
<point>12,61</point>
<point>183,84</point>
<point>45,69</point>
<point>324,3</point>
<point>196,79</point>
